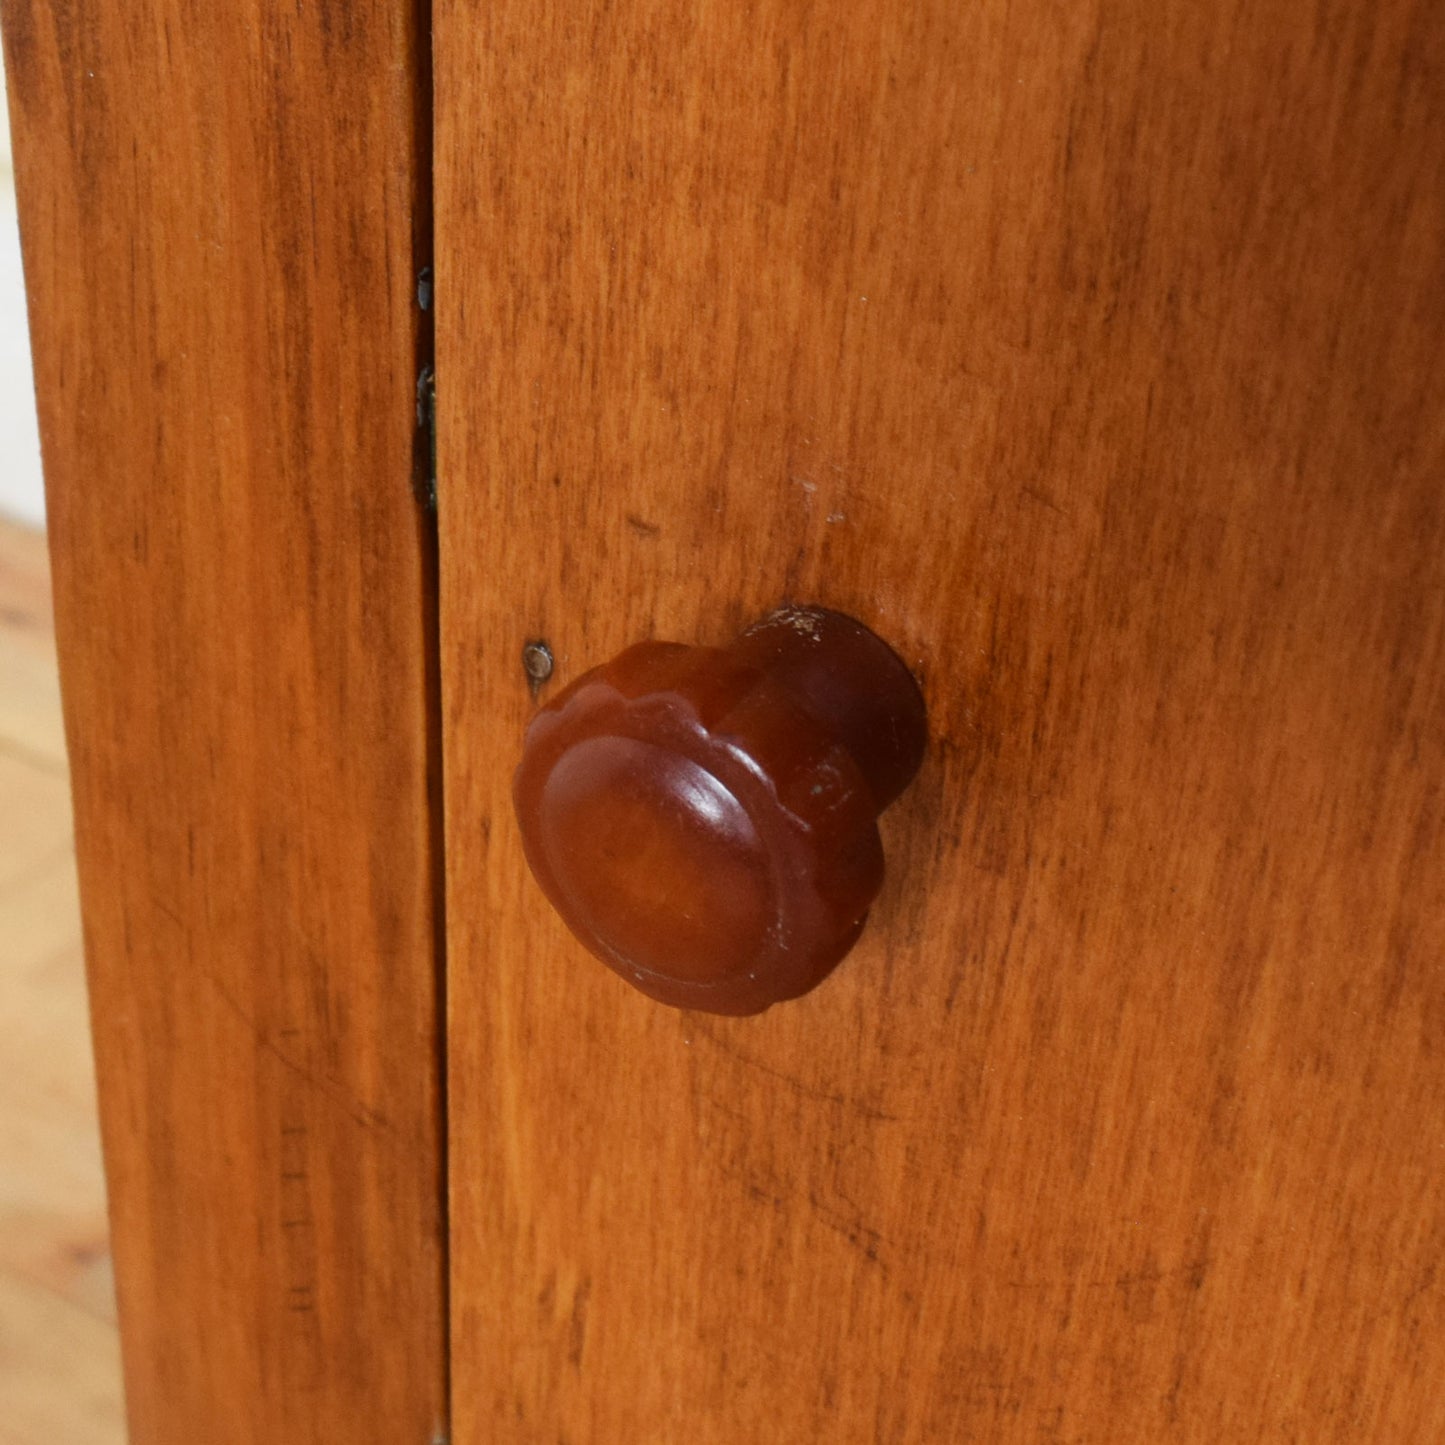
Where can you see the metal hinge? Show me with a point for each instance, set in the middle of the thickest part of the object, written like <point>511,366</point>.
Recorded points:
<point>424,467</point>
<point>426,422</point>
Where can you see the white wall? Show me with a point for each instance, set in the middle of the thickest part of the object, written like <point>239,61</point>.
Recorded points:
<point>20,491</point>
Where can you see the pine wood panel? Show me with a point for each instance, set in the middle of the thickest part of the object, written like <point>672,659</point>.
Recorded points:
<point>1091,354</point>
<point>222,209</point>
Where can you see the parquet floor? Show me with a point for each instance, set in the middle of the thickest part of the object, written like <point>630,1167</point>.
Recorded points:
<point>59,1351</point>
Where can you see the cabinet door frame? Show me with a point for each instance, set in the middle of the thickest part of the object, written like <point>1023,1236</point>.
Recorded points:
<point>223,212</point>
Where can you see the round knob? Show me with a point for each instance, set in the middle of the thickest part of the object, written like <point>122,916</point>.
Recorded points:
<point>704,819</point>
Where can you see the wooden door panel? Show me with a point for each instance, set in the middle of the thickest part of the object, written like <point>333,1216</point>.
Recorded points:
<point>1091,355</point>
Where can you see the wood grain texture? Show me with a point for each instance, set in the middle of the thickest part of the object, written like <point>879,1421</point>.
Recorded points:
<point>221,210</point>
<point>1092,355</point>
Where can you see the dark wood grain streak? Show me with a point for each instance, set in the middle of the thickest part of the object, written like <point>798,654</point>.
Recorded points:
<point>222,208</point>
<point>1091,355</point>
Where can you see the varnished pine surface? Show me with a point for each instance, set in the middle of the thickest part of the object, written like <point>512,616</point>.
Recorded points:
<point>222,212</point>
<point>59,1349</point>
<point>1092,356</point>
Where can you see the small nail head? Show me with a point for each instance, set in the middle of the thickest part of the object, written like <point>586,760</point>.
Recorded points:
<point>537,661</point>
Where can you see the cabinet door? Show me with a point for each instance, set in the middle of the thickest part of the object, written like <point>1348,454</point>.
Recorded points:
<point>1092,355</point>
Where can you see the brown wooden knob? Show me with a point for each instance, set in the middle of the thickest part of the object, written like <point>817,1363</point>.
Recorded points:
<point>704,819</point>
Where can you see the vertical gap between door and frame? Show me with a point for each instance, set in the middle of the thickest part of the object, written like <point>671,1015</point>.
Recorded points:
<point>424,487</point>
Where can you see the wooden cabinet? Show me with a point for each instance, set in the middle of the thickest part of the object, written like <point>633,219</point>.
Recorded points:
<point>1090,356</point>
